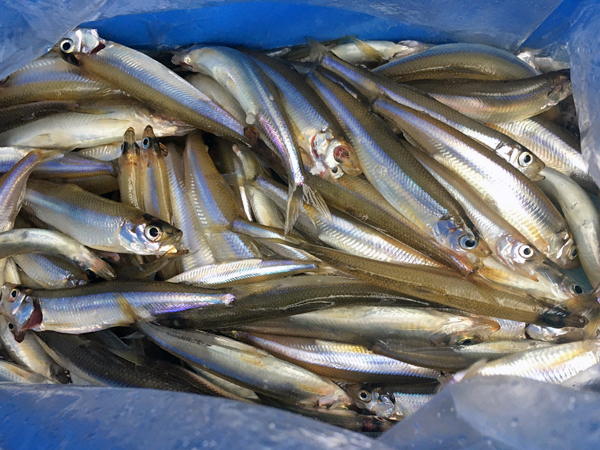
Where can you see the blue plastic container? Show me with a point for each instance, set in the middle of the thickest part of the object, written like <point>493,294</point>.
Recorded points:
<point>493,413</point>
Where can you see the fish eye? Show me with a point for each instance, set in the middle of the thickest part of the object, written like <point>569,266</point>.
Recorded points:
<point>466,341</point>
<point>11,326</point>
<point>335,169</point>
<point>152,232</point>
<point>468,242</point>
<point>525,159</point>
<point>525,251</point>
<point>67,46</point>
<point>364,395</point>
<point>146,142</point>
<point>573,253</point>
<point>340,154</point>
<point>576,289</point>
<point>13,294</point>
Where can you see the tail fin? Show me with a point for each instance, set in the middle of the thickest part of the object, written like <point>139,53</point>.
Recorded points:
<point>575,311</point>
<point>294,203</point>
<point>317,50</point>
<point>367,50</point>
<point>314,198</point>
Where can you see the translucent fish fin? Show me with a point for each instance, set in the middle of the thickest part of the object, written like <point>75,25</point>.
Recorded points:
<point>317,50</point>
<point>294,203</point>
<point>367,50</point>
<point>313,198</point>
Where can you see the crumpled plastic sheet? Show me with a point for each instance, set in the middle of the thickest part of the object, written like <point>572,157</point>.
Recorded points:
<point>94,418</point>
<point>502,413</point>
<point>584,50</point>
<point>30,28</point>
<point>495,413</point>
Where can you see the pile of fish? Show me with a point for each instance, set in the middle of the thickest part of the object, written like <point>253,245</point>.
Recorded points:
<point>339,229</point>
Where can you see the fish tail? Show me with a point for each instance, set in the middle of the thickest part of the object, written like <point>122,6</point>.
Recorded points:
<point>367,50</point>
<point>317,50</point>
<point>294,202</point>
<point>314,198</point>
<point>581,311</point>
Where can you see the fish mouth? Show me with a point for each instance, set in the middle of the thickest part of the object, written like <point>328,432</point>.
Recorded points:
<point>35,319</point>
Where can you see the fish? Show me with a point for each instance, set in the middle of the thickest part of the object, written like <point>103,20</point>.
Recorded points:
<point>501,101</point>
<point>335,360</point>
<point>522,204</point>
<point>12,373</point>
<point>241,272</point>
<point>129,171</point>
<point>284,297</point>
<point>390,402</point>
<point>554,145</point>
<point>156,193</point>
<point>365,325</point>
<point>262,104</point>
<point>116,227</point>
<point>398,176</point>
<point>217,94</point>
<point>456,358</point>
<point>373,86</point>
<point>35,240</point>
<point>30,354</point>
<point>581,215</point>
<point>474,61</point>
<point>90,126</point>
<point>553,364</point>
<point>375,52</point>
<point>51,78</point>
<point>95,307</point>
<point>550,334</point>
<point>250,367</point>
<point>148,81</point>
<point>223,388</point>
<point>317,131</point>
<point>49,272</point>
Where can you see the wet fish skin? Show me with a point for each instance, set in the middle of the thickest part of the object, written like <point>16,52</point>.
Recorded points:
<point>249,367</point>
<point>129,171</point>
<point>98,222</point>
<point>391,403</point>
<point>16,115</point>
<point>158,181</point>
<point>365,325</point>
<point>501,101</point>
<point>398,176</point>
<point>552,144</point>
<point>457,60</point>
<point>149,81</point>
<point>522,204</point>
<point>373,86</point>
<point>116,303</point>
<point>339,361</point>
<point>49,272</point>
<point>12,373</point>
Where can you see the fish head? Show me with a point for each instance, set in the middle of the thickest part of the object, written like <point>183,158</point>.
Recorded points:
<point>562,286</point>
<point>21,310</point>
<point>461,240</point>
<point>343,153</point>
<point>561,86</point>
<point>465,330</point>
<point>522,159</point>
<point>374,400</point>
<point>519,255</point>
<point>81,40</point>
<point>562,250</point>
<point>148,235</point>
<point>150,141</point>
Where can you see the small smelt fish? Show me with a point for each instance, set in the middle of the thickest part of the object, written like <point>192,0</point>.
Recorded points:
<point>129,171</point>
<point>391,403</point>
<point>51,273</point>
<point>501,101</point>
<point>98,222</point>
<point>458,61</point>
<point>453,359</point>
<point>90,126</point>
<point>284,297</point>
<point>398,176</point>
<point>553,364</point>
<point>95,307</point>
<point>582,217</point>
<point>249,367</point>
<point>373,87</point>
<point>554,145</point>
<point>522,204</point>
<point>261,102</point>
<point>34,240</point>
<point>558,335</point>
<point>11,373</point>
<point>52,78</point>
<point>241,272</point>
<point>149,81</point>
<point>30,354</point>
<point>344,362</point>
<point>364,325</point>
<point>156,191</point>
